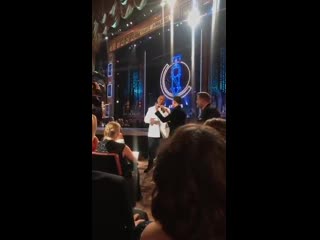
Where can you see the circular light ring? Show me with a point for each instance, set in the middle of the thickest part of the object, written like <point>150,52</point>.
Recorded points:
<point>163,87</point>
<point>165,91</point>
<point>162,83</point>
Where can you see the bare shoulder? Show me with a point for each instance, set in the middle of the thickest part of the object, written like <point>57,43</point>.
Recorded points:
<point>127,148</point>
<point>154,232</point>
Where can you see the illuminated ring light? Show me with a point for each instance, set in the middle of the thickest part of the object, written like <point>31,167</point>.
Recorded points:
<point>163,87</point>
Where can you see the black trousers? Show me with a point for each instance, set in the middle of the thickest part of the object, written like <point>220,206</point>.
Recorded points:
<point>153,144</point>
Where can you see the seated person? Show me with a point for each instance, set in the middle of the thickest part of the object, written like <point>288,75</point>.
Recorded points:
<point>127,159</point>
<point>189,199</point>
<point>219,124</point>
<point>112,214</point>
<point>120,138</point>
<point>110,144</point>
<point>95,140</point>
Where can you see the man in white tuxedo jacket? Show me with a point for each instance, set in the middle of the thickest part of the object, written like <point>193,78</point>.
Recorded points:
<point>157,129</point>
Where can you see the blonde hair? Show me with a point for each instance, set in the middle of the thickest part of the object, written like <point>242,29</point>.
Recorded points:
<point>94,126</point>
<point>112,130</point>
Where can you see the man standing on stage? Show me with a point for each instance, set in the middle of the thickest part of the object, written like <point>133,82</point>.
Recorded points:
<point>156,131</point>
<point>207,111</point>
<point>176,118</point>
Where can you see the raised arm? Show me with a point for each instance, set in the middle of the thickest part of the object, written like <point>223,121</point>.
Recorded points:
<point>162,118</point>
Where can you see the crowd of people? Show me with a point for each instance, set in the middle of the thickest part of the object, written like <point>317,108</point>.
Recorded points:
<point>189,171</point>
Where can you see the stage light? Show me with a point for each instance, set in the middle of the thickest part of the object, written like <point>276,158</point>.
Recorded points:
<point>131,23</point>
<point>105,31</point>
<point>144,15</point>
<point>135,45</point>
<point>177,25</point>
<point>194,17</point>
<point>106,38</point>
<point>150,37</point>
<point>117,101</point>
<point>104,18</point>
<point>168,29</point>
<point>159,33</point>
<point>150,10</point>
<point>163,3</point>
<point>111,34</point>
<point>171,2</point>
<point>127,25</point>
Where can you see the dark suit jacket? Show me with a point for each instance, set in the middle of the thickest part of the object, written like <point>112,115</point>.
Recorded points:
<point>111,210</point>
<point>175,119</point>
<point>209,112</point>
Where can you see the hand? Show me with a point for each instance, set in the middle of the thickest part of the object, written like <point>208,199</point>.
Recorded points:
<point>164,109</point>
<point>136,219</point>
<point>152,121</point>
<point>157,107</point>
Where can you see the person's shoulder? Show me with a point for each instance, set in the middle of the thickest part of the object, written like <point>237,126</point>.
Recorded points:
<point>95,139</point>
<point>154,232</point>
<point>118,144</point>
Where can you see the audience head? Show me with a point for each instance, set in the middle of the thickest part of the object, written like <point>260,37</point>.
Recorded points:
<point>219,124</point>
<point>189,199</point>
<point>203,98</point>
<point>112,130</point>
<point>94,126</point>
<point>161,100</point>
<point>176,101</point>
<point>95,88</point>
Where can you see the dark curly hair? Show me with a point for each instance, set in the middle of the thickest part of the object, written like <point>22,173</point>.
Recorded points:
<point>189,199</point>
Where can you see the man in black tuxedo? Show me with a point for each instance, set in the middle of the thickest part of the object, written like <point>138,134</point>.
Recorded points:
<point>176,118</point>
<point>204,103</point>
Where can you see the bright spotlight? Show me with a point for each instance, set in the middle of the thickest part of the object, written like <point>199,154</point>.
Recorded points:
<point>106,38</point>
<point>194,17</point>
<point>171,2</point>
